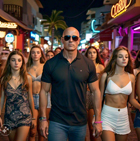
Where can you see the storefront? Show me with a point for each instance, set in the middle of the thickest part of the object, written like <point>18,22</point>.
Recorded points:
<point>125,16</point>
<point>12,32</point>
<point>34,38</point>
<point>103,39</point>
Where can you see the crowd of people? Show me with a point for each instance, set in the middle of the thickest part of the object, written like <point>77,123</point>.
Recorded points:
<point>62,93</point>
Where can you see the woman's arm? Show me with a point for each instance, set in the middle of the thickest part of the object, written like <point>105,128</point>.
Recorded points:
<point>102,83</point>
<point>132,99</point>
<point>138,87</point>
<point>31,101</point>
<point>101,68</point>
<point>1,102</point>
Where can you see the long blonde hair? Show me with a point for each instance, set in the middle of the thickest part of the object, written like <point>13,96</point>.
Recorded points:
<point>7,74</point>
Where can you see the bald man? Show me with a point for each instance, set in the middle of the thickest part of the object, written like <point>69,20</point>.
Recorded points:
<point>68,73</point>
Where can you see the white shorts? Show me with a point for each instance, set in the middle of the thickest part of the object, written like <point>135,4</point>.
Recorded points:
<point>49,100</point>
<point>115,120</point>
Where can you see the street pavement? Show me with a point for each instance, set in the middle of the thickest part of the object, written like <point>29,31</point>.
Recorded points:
<point>131,137</point>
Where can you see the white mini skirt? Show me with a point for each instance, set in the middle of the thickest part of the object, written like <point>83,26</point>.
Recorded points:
<point>115,120</point>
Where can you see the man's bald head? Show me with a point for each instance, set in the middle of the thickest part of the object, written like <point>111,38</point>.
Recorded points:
<point>70,39</point>
<point>67,30</point>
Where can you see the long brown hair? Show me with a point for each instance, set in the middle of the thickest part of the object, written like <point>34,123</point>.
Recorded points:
<point>137,62</point>
<point>30,60</point>
<point>110,68</point>
<point>98,58</point>
<point>7,74</point>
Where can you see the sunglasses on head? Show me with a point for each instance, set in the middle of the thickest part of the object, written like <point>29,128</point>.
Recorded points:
<point>74,38</point>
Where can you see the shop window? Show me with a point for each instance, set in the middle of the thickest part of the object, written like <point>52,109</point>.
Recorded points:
<point>136,41</point>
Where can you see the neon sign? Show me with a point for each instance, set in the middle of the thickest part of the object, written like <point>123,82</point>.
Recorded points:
<point>9,38</point>
<point>34,36</point>
<point>7,25</point>
<point>92,27</point>
<point>120,8</point>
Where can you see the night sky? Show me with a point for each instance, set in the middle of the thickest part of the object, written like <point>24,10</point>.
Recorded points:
<point>74,11</point>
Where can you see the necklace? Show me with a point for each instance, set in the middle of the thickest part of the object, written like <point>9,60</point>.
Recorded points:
<point>119,73</point>
<point>34,68</point>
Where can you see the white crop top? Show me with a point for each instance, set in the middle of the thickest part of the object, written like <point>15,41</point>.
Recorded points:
<point>113,88</point>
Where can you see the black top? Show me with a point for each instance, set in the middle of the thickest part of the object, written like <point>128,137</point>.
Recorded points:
<point>69,85</point>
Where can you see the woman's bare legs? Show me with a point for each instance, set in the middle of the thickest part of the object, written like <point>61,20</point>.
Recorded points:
<point>108,136</point>
<point>121,137</point>
<point>22,133</point>
<point>138,133</point>
<point>12,135</point>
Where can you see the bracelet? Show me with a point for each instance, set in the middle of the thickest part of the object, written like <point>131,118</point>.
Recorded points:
<point>33,118</point>
<point>98,121</point>
<point>43,119</point>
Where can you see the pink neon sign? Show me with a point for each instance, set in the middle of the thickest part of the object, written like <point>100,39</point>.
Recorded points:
<point>120,7</point>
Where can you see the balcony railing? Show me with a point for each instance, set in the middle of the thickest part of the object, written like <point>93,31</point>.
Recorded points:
<point>13,10</point>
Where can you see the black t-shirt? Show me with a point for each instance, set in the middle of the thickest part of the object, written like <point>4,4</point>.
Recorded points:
<point>69,84</point>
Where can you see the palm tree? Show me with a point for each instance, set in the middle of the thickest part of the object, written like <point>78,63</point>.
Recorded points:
<point>57,35</point>
<point>54,22</point>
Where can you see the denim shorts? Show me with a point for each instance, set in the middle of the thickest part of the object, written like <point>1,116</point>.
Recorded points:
<point>137,119</point>
<point>36,101</point>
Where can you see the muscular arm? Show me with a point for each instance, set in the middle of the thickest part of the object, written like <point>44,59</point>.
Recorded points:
<point>45,87</point>
<point>94,87</point>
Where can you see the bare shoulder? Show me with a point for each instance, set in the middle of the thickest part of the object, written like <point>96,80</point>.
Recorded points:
<point>101,67</point>
<point>132,77</point>
<point>104,75</point>
<point>29,77</point>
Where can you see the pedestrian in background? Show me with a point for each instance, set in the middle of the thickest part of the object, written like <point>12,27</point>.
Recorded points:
<point>50,54</point>
<point>57,50</point>
<point>93,54</point>
<point>35,68</point>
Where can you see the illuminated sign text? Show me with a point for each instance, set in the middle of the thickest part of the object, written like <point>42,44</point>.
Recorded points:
<point>7,25</point>
<point>120,7</point>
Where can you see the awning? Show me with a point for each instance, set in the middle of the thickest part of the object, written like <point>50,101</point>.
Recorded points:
<point>130,13</point>
<point>91,40</point>
<point>105,35</point>
<point>9,18</point>
<point>39,4</point>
